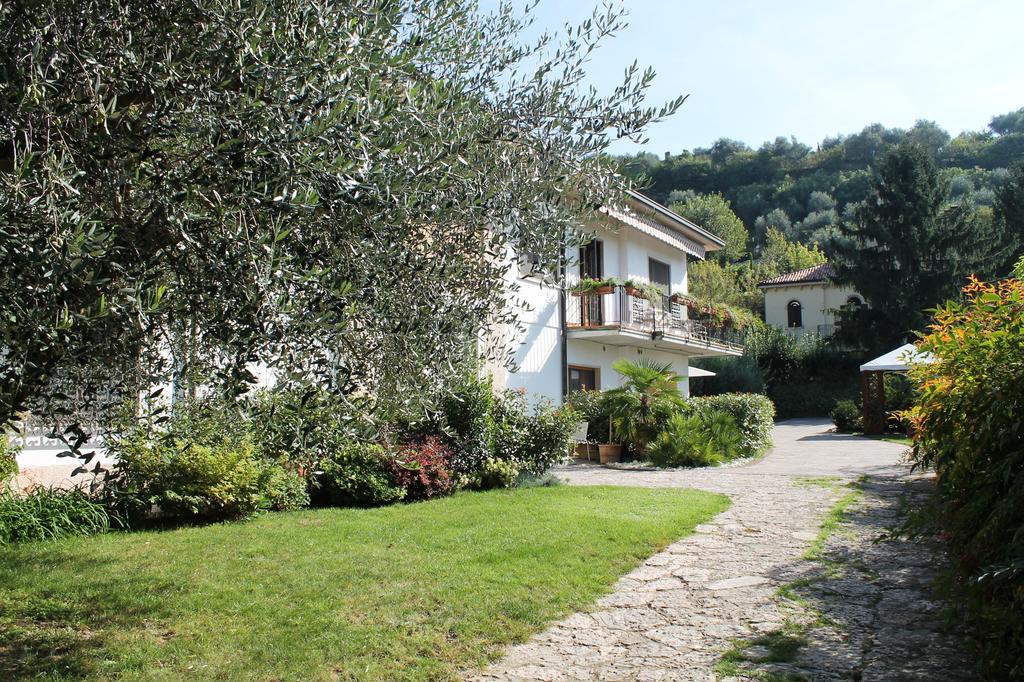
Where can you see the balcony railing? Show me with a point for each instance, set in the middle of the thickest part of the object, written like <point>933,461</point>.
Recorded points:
<point>620,309</point>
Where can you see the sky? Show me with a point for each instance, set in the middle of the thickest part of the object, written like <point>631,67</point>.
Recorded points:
<point>756,70</point>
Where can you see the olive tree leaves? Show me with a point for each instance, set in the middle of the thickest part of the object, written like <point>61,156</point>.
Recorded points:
<point>198,192</point>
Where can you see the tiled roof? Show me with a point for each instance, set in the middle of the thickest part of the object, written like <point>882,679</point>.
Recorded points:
<point>815,273</point>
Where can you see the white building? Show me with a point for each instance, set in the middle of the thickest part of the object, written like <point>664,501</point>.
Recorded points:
<point>806,301</point>
<point>570,341</point>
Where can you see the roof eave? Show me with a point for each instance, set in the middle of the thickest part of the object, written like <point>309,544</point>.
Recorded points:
<point>709,241</point>
<point>780,285</point>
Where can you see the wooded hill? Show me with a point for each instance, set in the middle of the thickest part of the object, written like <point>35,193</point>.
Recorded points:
<point>805,192</point>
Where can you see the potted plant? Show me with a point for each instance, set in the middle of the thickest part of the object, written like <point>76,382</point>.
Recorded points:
<point>609,453</point>
<point>593,287</point>
<point>692,306</point>
<point>645,290</point>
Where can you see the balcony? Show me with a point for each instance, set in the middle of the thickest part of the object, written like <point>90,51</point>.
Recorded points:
<point>623,317</point>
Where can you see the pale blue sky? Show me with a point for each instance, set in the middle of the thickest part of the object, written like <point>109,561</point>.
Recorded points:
<point>757,70</point>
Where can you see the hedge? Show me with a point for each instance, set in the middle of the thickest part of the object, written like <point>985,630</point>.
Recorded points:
<point>754,414</point>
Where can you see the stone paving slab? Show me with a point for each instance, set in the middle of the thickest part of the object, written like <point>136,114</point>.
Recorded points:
<point>674,616</point>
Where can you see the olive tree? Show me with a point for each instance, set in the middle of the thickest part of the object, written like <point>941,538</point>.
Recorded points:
<point>191,190</point>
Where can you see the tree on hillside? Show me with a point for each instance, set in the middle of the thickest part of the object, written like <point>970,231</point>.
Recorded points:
<point>780,255</point>
<point>189,190</point>
<point>1009,216</point>
<point>775,219</point>
<point>907,249</point>
<point>1009,123</point>
<point>929,135</point>
<point>714,214</point>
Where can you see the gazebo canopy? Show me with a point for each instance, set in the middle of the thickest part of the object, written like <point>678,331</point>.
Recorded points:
<point>898,360</point>
<point>694,372</point>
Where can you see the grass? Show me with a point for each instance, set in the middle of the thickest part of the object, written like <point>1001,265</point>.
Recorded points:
<point>780,646</point>
<point>416,591</point>
<point>831,523</point>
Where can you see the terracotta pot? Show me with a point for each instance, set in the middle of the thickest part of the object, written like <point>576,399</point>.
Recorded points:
<point>635,293</point>
<point>600,291</point>
<point>609,453</point>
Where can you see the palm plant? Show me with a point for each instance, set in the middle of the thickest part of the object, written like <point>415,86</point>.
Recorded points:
<point>647,398</point>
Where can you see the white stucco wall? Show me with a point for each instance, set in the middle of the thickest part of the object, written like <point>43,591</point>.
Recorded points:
<point>601,357</point>
<point>538,349</point>
<point>819,302</point>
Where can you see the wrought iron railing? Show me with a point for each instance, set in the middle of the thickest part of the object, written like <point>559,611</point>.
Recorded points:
<point>622,308</point>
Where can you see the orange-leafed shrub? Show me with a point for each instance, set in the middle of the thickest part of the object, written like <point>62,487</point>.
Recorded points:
<point>969,426</point>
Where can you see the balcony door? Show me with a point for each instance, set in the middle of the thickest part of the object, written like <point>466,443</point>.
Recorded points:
<point>592,267</point>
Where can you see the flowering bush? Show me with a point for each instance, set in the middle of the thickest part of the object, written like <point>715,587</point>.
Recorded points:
<point>967,425</point>
<point>422,469</point>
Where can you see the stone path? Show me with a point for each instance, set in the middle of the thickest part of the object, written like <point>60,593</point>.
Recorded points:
<point>863,611</point>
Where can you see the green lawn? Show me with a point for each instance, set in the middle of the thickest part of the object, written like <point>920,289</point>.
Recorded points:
<point>414,591</point>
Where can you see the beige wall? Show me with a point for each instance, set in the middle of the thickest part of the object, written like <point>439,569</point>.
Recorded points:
<point>819,301</point>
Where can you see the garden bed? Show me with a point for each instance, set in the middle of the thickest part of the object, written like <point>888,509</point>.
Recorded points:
<point>417,591</point>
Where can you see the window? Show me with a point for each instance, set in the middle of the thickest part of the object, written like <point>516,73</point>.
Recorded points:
<point>582,378</point>
<point>660,273</point>
<point>854,302</point>
<point>795,314</point>
<point>592,260</point>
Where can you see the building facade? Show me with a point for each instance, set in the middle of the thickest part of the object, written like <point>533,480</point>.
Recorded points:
<point>569,340</point>
<point>807,301</point>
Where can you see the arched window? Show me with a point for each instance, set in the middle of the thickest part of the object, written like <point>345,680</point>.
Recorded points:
<point>854,302</point>
<point>794,314</point>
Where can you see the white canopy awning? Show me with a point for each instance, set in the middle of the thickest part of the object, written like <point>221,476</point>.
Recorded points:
<point>698,372</point>
<point>898,360</point>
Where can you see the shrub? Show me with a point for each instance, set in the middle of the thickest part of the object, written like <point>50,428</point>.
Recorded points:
<point>848,416</point>
<point>464,422</point>
<point>807,398</point>
<point>753,414</point>
<point>302,427</point>
<point>900,395</point>
<point>803,377</point>
<point>49,513</point>
<point>8,460</point>
<point>356,475</point>
<point>283,489</point>
<point>494,473</point>
<point>421,469</point>
<point>478,425</point>
<point>201,464</point>
<point>532,441</point>
<point>968,426</point>
<point>696,440</point>
<point>189,480</point>
<point>591,407</point>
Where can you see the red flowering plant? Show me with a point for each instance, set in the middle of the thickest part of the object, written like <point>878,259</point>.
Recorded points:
<point>422,469</point>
